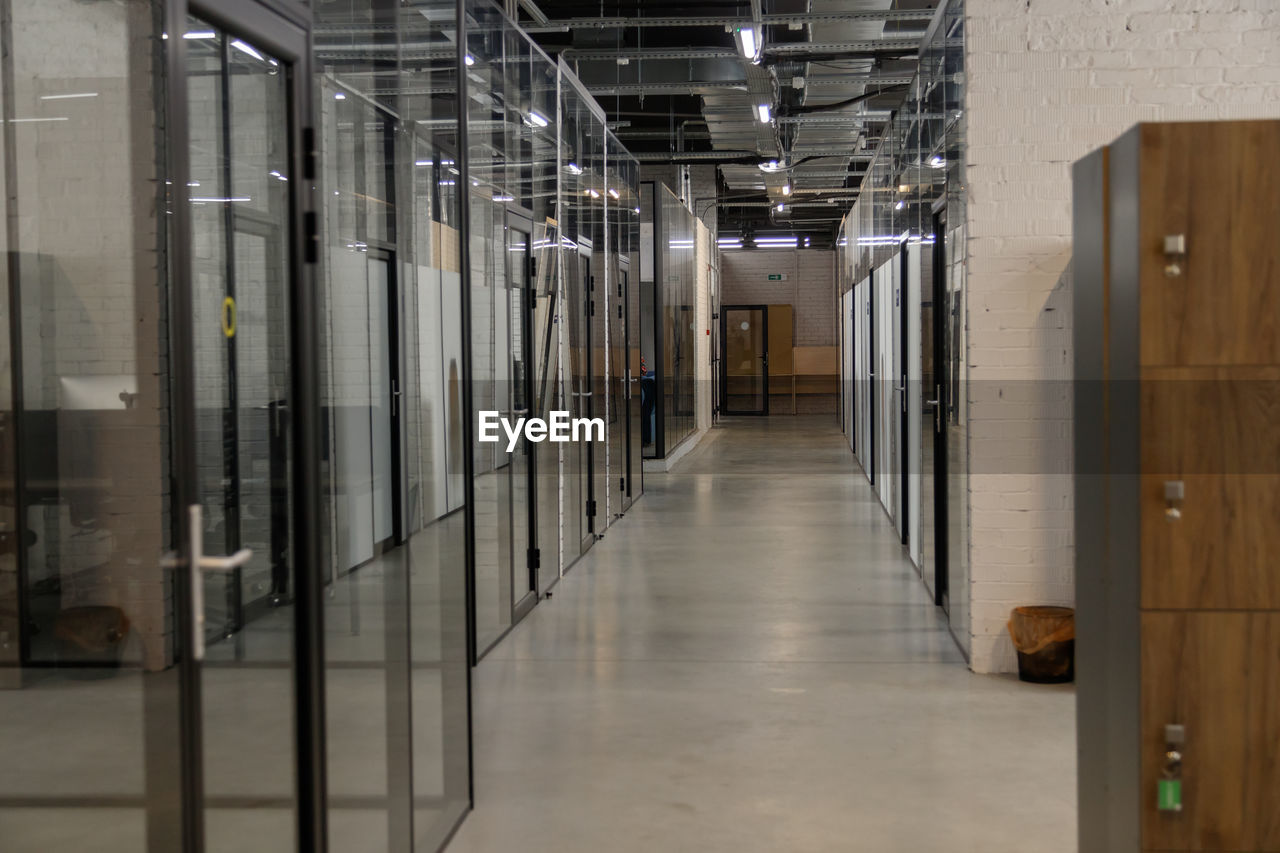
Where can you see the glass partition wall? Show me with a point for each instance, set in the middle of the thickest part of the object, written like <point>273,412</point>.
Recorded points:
<point>217,342</point>
<point>393,375</point>
<point>669,319</point>
<point>546,188</point>
<point>910,217</point>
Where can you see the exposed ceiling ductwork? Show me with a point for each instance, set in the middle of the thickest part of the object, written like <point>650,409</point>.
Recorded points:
<point>782,95</point>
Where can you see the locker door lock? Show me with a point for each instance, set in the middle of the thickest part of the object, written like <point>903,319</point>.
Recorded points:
<point>1169,786</point>
<point>1174,492</point>
<point>1175,254</point>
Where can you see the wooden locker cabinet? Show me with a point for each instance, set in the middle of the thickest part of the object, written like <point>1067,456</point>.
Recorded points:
<point>1177,387</point>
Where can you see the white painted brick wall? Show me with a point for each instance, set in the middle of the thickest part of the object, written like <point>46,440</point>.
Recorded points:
<point>1047,82</point>
<point>809,288</point>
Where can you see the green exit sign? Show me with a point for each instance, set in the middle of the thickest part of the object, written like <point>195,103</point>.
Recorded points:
<point>777,276</point>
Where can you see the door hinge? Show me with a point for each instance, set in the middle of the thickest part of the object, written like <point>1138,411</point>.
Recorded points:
<point>591,509</point>
<point>309,153</point>
<point>533,268</point>
<point>535,558</point>
<point>619,310</point>
<point>533,299</point>
<point>311,236</point>
<point>622,484</point>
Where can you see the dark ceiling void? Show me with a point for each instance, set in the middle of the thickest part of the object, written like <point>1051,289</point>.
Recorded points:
<point>679,91</point>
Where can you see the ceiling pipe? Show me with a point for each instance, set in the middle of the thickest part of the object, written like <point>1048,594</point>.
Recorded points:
<point>777,18</point>
<point>847,102</point>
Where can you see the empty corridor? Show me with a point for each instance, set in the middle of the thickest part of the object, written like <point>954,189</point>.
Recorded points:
<point>748,661</point>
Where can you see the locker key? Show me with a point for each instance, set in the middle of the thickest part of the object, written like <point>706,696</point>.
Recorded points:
<point>1174,492</point>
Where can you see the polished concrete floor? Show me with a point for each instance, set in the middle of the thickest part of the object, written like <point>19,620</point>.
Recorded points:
<point>749,662</point>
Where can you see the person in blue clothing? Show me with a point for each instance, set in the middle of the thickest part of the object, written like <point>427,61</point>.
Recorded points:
<point>648,393</point>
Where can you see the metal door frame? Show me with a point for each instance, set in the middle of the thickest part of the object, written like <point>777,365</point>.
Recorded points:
<point>872,427</point>
<point>391,304</point>
<point>624,301</point>
<point>282,28</point>
<point>519,219</point>
<point>904,419</point>
<point>941,360</point>
<point>586,253</point>
<point>724,361</point>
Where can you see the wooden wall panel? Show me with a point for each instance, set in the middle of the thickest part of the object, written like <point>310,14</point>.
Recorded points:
<point>1195,673</point>
<point>1219,184</point>
<point>1262,779</point>
<point>1217,674</point>
<point>1215,430</point>
<point>781,343</point>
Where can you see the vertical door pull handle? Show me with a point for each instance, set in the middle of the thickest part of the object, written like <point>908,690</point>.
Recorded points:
<point>200,563</point>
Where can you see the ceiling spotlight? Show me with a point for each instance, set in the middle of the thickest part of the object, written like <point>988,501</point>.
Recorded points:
<point>536,120</point>
<point>936,161</point>
<point>786,189</point>
<point>781,207</point>
<point>593,193</point>
<point>900,205</point>
<point>573,169</point>
<point>748,43</point>
<point>339,96</point>
<point>762,110</point>
<point>771,166</point>
<point>613,194</point>
<point>469,60</point>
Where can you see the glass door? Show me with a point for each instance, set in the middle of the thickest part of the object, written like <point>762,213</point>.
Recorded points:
<point>744,331</point>
<point>235,327</point>
<point>619,389</point>
<point>940,315</point>
<point>585,405</point>
<point>546,309</point>
<point>519,402</point>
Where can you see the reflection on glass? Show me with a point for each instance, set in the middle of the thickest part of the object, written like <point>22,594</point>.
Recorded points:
<point>240,222</point>
<point>919,162</point>
<point>86,613</point>
<point>393,448</point>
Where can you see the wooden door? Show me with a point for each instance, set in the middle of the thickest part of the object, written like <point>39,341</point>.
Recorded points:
<point>1209,358</point>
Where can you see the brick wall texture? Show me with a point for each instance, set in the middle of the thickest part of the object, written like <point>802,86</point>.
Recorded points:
<point>810,289</point>
<point>1047,82</point>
